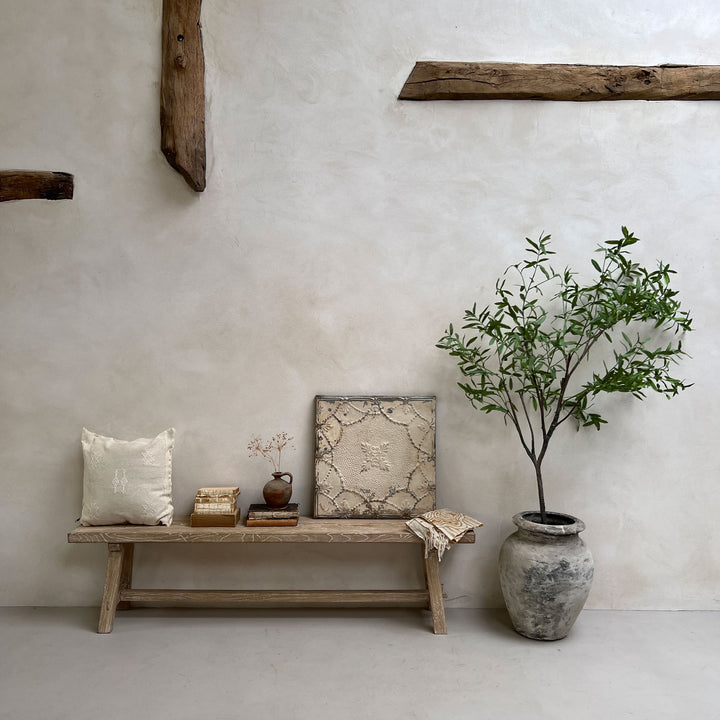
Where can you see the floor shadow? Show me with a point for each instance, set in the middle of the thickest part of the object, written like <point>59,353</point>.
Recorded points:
<point>497,622</point>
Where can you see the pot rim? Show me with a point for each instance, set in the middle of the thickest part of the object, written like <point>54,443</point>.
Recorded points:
<point>567,525</point>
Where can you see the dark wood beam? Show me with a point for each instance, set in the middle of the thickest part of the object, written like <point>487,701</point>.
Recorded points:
<point>519,81</point>
<point>182,91</point>
<point>35,184</point>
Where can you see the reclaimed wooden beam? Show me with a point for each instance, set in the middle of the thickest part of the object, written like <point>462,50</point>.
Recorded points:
<point>520,81</point>
<point>35,184</point>
<point>182,91</point>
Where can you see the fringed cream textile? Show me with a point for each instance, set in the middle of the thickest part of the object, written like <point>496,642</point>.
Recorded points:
<point>433,538</point>
<point>441,528</point>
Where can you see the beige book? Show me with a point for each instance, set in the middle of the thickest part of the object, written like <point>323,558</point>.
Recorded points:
<point>215,491</point>
<point>219,499</point>
<point>214,508</point>
<point>215,519</point>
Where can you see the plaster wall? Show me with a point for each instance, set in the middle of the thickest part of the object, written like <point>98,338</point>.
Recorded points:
<point>340,232</point>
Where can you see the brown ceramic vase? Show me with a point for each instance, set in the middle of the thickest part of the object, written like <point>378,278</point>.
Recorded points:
<point>277,492</point>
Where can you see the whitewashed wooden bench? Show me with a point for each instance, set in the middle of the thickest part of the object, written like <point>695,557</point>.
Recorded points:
<point>119,593</point>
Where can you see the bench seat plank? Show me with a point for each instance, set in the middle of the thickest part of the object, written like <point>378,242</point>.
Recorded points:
<point>308,530</point>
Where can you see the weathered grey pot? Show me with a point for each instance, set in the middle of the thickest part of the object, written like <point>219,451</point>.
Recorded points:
<point>545,573</point>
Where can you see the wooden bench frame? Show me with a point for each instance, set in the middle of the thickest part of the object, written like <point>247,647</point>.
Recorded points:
<point>119,593</point>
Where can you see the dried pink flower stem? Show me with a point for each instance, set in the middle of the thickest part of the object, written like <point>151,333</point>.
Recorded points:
<point>272,446</point>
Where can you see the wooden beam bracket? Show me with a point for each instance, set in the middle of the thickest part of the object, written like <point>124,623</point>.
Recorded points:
<point>578,83</point>
<point>35,185</point>
<point>182,91</point>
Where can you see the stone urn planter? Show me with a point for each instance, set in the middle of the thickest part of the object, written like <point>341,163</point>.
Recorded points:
<point>545,573</point>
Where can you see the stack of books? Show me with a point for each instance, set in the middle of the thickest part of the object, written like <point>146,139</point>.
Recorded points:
<point>216,506</point>
<point>264,516</point>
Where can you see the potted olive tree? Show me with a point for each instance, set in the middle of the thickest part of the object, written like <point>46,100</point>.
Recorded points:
<point>539,357</point>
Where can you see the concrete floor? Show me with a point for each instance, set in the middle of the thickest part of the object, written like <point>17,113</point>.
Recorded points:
<point>348,664</point>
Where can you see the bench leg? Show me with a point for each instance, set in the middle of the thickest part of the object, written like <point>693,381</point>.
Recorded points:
<point>111,593</point>
<point>432,580</point>
<point>126,573</point>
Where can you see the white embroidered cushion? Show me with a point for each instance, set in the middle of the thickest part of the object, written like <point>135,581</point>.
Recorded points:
<point>127,481</point>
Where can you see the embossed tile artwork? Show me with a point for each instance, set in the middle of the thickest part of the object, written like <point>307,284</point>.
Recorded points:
<point>374,456</point>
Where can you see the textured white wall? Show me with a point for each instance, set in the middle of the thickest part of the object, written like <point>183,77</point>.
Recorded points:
<point>340,232</point>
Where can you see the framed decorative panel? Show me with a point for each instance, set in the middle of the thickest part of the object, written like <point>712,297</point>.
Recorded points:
<point>374,456</point>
